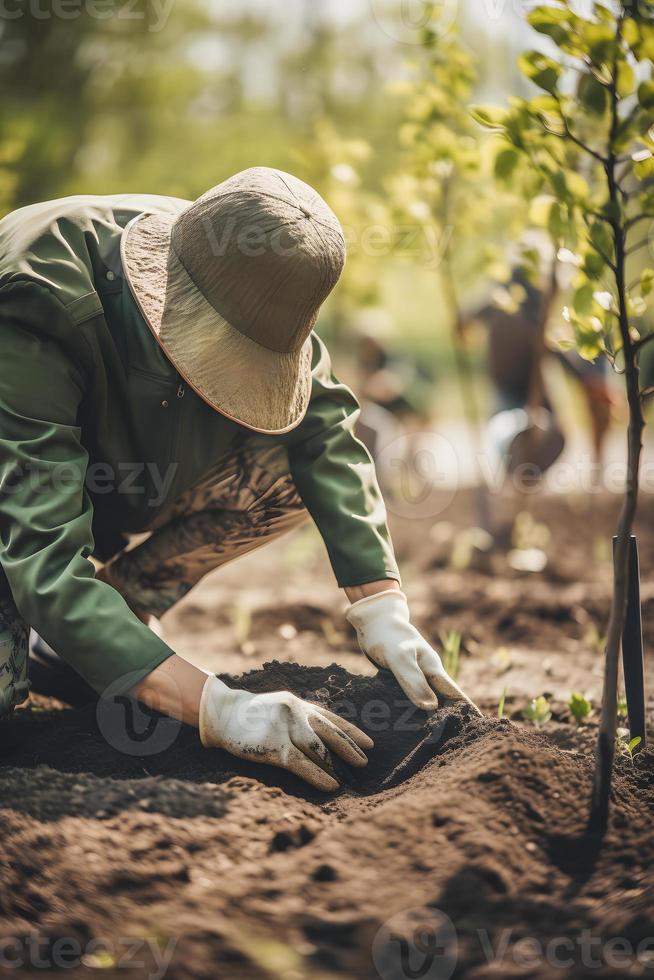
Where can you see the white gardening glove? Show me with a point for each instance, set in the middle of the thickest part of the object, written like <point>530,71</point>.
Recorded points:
<point>279,729</point>
<point>386,636</point>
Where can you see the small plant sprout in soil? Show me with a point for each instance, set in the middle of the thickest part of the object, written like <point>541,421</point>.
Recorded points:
<point>583,148</point>
<point>255,876</point>
<point>580,707</point>
<point>626,746</point>
<point>502,660</point>
<point>537,711</point>
<point>451,655</point>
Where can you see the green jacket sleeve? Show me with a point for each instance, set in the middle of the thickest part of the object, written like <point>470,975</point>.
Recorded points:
<point>336,479</point>
<point>45,520</point>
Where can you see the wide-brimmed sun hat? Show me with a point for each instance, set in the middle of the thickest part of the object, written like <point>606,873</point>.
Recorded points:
<point>231,288</point>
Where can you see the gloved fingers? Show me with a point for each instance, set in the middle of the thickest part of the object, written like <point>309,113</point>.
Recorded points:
<point>358,737</point>
<point>297,762</point>
<point>309,742</point>
<point>439,680</point>
<point>336,739</point>
<point>414,684</point>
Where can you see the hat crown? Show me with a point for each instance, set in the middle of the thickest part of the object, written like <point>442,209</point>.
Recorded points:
<point>266,251</point>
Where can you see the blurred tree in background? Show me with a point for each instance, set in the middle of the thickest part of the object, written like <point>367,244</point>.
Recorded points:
<point>172,98</point>
<point>171,104</point>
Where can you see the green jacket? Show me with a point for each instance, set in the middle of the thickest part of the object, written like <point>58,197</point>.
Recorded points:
<point>98,434</point>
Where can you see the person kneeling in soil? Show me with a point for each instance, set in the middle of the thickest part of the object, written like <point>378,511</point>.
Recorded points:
<point>159,373</point>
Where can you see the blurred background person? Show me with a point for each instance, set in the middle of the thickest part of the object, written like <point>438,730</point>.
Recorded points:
<point>525,426</point>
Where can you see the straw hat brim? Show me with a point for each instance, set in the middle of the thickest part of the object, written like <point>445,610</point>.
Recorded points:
<point>263,390</point>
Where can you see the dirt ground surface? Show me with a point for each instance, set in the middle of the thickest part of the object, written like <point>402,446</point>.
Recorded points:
<point>460,851</point>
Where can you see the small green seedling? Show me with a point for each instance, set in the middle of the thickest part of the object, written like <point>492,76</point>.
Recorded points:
<point>500,706</point>
<point>451,644</point>
<point>241,620</point>
<point>626,746</point>
<point>632,746</point>
<point>594,639</point>
<point>333,636</point>
<point>580,707</point>
<point>537,711</point>
<point>502,660</point>
<point>528,533</point>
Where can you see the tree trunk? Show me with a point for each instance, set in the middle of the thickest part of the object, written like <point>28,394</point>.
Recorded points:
<point>608,722</point>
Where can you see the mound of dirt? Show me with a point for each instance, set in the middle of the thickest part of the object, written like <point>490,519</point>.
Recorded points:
<point>405,737</point>
<point>466,830</point>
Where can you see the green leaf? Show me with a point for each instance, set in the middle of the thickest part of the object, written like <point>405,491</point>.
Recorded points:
<point>645,49</point>
<point>630,32</point>
<point>644,165</point>
<point>580,707</point>
<point>594,265</point>
<point>537,711</point>
<point>546,14</point>
<point>489,116</point>
<point>601,237</point>
<point>569,185</point>
<point>603,13</point>
<point>560,184</point>
<point>506,162</point>
<point>593,95</point>
<point>599,40</point>
<point>636,306</point>
<point>646,94</point>
<point>582,300</point>
<point>541,70</point>
<point>626,80</point>
<point>590,342</point>
<point>646,281</point>
<point>556,224</point>
<point>551,21</point>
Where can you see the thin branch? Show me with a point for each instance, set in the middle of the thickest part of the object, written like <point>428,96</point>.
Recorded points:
<point>602,254</point>
<point>623,193</point>
<point>632,222</point>
<point>574,139</point>
<point>595,214</point>
<point>636,248</point>
<point>639,344</point>
<point>634,282</point>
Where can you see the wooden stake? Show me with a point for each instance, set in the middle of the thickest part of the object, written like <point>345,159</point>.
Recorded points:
<point>632,650</point>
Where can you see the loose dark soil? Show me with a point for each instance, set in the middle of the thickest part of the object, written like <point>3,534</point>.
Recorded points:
<point>239,871</point>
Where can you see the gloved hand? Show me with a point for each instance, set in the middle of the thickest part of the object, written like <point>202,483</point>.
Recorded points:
<point>279,729</point>
<point>387,637</point>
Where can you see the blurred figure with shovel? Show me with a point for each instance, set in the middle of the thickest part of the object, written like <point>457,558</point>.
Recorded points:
<point>523,430</point>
